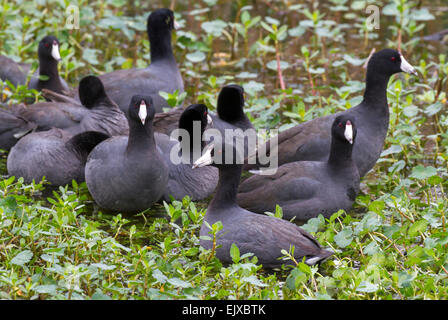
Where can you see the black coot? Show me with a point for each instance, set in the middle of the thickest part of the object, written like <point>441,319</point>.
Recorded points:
<point>305,189</point>
<point>230,112</point>
<point>161,75</point>
<point>46,76</point>
<point>55,154</point>
<point>311,140</point>
<point>230,122</point>
<point>128,174</point>
<point>179,156</point>
<point>262,235</point>
<point>96,113</point>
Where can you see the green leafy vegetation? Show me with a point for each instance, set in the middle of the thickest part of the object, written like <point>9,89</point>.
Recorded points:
<point>296,62</point>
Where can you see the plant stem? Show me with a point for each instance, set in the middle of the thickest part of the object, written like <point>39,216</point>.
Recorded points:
<point>279,70</point>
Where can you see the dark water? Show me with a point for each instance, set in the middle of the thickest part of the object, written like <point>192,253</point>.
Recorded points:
<point>352,40</point>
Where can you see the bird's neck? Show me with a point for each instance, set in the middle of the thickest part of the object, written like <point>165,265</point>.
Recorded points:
<point>49,68</point>
<point>141,138</point>
<point>227,189</point>
<point>104,102</point>
<point>375,94</point>
<point>161,48</point>
<point>340,154</point>
<point>231,115</point>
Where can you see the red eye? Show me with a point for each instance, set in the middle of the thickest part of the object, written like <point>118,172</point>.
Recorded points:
<point>340,125</point>
<point>393,59</point>
<point>47,45</point>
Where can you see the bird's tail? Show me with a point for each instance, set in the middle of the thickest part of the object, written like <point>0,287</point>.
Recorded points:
<point>67,97</point>
<point>323,255</point>
<point>12,128</point>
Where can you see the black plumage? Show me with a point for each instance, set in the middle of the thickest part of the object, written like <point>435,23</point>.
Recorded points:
<point>305,189</point>
<point>311,140</point>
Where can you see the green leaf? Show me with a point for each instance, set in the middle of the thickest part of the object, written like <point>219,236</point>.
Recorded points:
<point>245,17</point>
<point>21,258</point>
<point>405,279</point>
<point>282,34</point>
<point>90,55</point>
<point>297,31</point>
<point>371,221</point>
<point>192,252</point>
<point>411,111</point>
<point>217,226</point>
<point>179,283</point>
<point>422,14</point>
<point>278,212</point>
<point>295,278</point>
<point>196,56</point>
<point>316,70</point>
<point>46,289</point>
<point>417,227</point>
<point>395,148</point>
<point>390,10</point>
<point>252,87</point>
<point>434,108</point>
<point>435,180</point>
<point>414,255</point>
<point>305,51</point>
<point>159,276</point>
<point>235,253</point>
<point>292,115</point>
<point>103,266</point>
<point>118,3</point>
<point>397,166</point>
<point>353,60</point>
<point>246,75</point>
<point>254,280</point>
<point>371,248</point>
<point>367,287</point>
<point>210,3</point>
<point>98,295</point>
<point>214,28</point>
<point>358,5</point>
<point>127,64</point>
<point>272,21</point>
<point>377,206</point>
<point>314,224</point>
<point>267,27</point>
<point>9,204</point>
<point>273,65</point>
<point>49,258</point>
<point>420,172</point>
<point>344,237</point>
